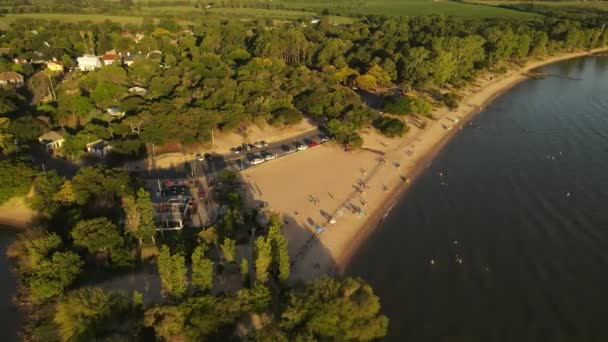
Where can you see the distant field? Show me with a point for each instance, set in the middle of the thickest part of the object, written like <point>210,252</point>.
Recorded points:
<point>603,5</point>
<point>276,14</point>
<point>405,8</point>
<point>9,18</point>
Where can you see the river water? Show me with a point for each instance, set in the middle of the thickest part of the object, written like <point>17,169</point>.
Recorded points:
<point>505,235</point>
<point>10,317</point>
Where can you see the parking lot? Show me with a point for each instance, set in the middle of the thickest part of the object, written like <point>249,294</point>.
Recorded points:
<point>251,155</point>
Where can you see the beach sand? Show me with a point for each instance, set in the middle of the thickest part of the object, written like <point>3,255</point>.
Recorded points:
<point>309,187</point>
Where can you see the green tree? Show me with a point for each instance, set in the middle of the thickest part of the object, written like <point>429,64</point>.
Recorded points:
<point>38,249</point>
<point>139,216</point>
<point>202,270</point>
<point>17,179</point>
<point>366,82</point>
<point>6,137</point>
<point>172,271</point>
<point>391,127</point>
<point>330,309</point>
<point>263,259</point>
<point>52,276</point>
<point>89,314</point>
<point>244,269</point>
<point>46,186</point>
<point>228,250</point>
<point>97,235</point>
<point>280,253</point>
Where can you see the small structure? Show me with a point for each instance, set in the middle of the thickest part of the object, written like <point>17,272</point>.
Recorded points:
<point>138,91</point>
<point>99,148</point>
<point>315,20</point>
<point>54,66</point>
<point>130,59</point>
<point>127,35</point>
<point>111,58</point>
<point>115,111</point>
<point>5,51</point>
<point>88,63</point>
<point>51,140</point>
<point>11,78</point>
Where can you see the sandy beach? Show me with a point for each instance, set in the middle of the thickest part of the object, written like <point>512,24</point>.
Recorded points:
<point>358,189</point>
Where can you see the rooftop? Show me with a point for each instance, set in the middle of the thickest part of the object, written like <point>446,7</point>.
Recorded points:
<point>50,136</point>
<point>10,76</point>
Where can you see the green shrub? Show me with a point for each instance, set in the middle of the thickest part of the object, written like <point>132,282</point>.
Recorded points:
<point>390,127</point>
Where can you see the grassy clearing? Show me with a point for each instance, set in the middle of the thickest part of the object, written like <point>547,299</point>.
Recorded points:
<point>603,5</point>
<point>406,8</point>
<point>259,12</point>
<point>71,18</point>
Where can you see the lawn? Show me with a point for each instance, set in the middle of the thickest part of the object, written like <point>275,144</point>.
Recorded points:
<point>603,5</point>
<point>276,14</point>
<point>405,8</point>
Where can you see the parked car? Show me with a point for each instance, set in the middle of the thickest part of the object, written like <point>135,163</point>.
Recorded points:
<point>247,147</point>
<point>312,143</point>
<point>324,138</point>
<point>264,143</point>
<point>301,147</point>
<point>258,144</point>
<point>257,161</point>
<point>199,157</point>
<point>270,156</point>
<point>237,150</point>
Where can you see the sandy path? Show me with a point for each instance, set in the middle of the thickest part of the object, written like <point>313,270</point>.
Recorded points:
<point>308,188</point>
<point>16,213</point>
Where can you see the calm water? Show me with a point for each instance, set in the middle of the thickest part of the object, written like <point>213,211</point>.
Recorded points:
<point>9,315</point>
<point>523,205</point>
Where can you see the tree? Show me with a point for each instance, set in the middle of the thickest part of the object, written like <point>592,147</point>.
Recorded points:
<point>46,186</point>
<point>52,276</point>
<point>228,250</point>
<point>366,82</point>
<point>38,249</point>
<point>172,272</point>
<point>89,314</point>
<point>263,259</point>
<point>6,138</point>
<point>286,117</point>
<point>139,214</point>
<point>208,236</point>
<point>406,105</point>
<point>331,309</point>
<point>391,127</point>
<point>65,195</point>
<point>244,269</point>
<point>97,235</point>
<point>280,253</point>
<point>17,179</point>
<point>202,270</point>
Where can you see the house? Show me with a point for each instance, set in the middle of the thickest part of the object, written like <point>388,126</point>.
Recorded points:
<point>51,140</point>
<point>110,58</point>
<point>99,148</point>
<point>11,78</point>
<point>54,66</point>
<point>115,111</point>
<point>138,91</point>
<point>88,63</point>
<point>130,59</point>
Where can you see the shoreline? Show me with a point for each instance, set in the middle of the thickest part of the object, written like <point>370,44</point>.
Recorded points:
<point>505,83</point>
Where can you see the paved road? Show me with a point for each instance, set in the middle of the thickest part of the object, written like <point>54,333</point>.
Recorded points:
<point>216,163</point>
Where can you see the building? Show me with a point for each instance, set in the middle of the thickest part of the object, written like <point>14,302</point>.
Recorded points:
<point>138,91</point>
<point>111,58</point>
<point>130,59</point>
<point>11,78</point>
<point>54,66</point>
<point>99,148</point>
<point>115,111</point>
<point>88,63</point>
<point>51,140</point>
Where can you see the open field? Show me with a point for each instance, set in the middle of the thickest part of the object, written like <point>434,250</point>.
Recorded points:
<point>405,8</point>
<point>9,18</point>
<point>260,12</point>
<point>603,5</point>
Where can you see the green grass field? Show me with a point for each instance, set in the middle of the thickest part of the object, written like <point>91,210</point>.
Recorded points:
<point>603,5</point>
<point>9,18</point>
<point>405,8</point>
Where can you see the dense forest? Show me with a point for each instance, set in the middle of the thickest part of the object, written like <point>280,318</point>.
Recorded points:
<point>219,75</point>
<point>225,74</point>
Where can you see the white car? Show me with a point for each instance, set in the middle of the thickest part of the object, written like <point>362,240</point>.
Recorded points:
<point>258,144</point>
<point>270,156</point>
<point>257,161</point>
<point>301,147</point>
<point>199,157</point>
<point>264,143</point>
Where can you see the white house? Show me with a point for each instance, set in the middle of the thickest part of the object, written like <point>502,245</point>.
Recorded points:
<point>51,140</point>
<point>138,91</point>
<point>98,148</point>
<point>115,112</point>
<point>88,63</point>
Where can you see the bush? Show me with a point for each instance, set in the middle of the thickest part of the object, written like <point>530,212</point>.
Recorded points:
<point>451,100</point>
<point>17,179</point>
<point>407,105</point>
<point>285,117</point>
<point>390,127</point>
